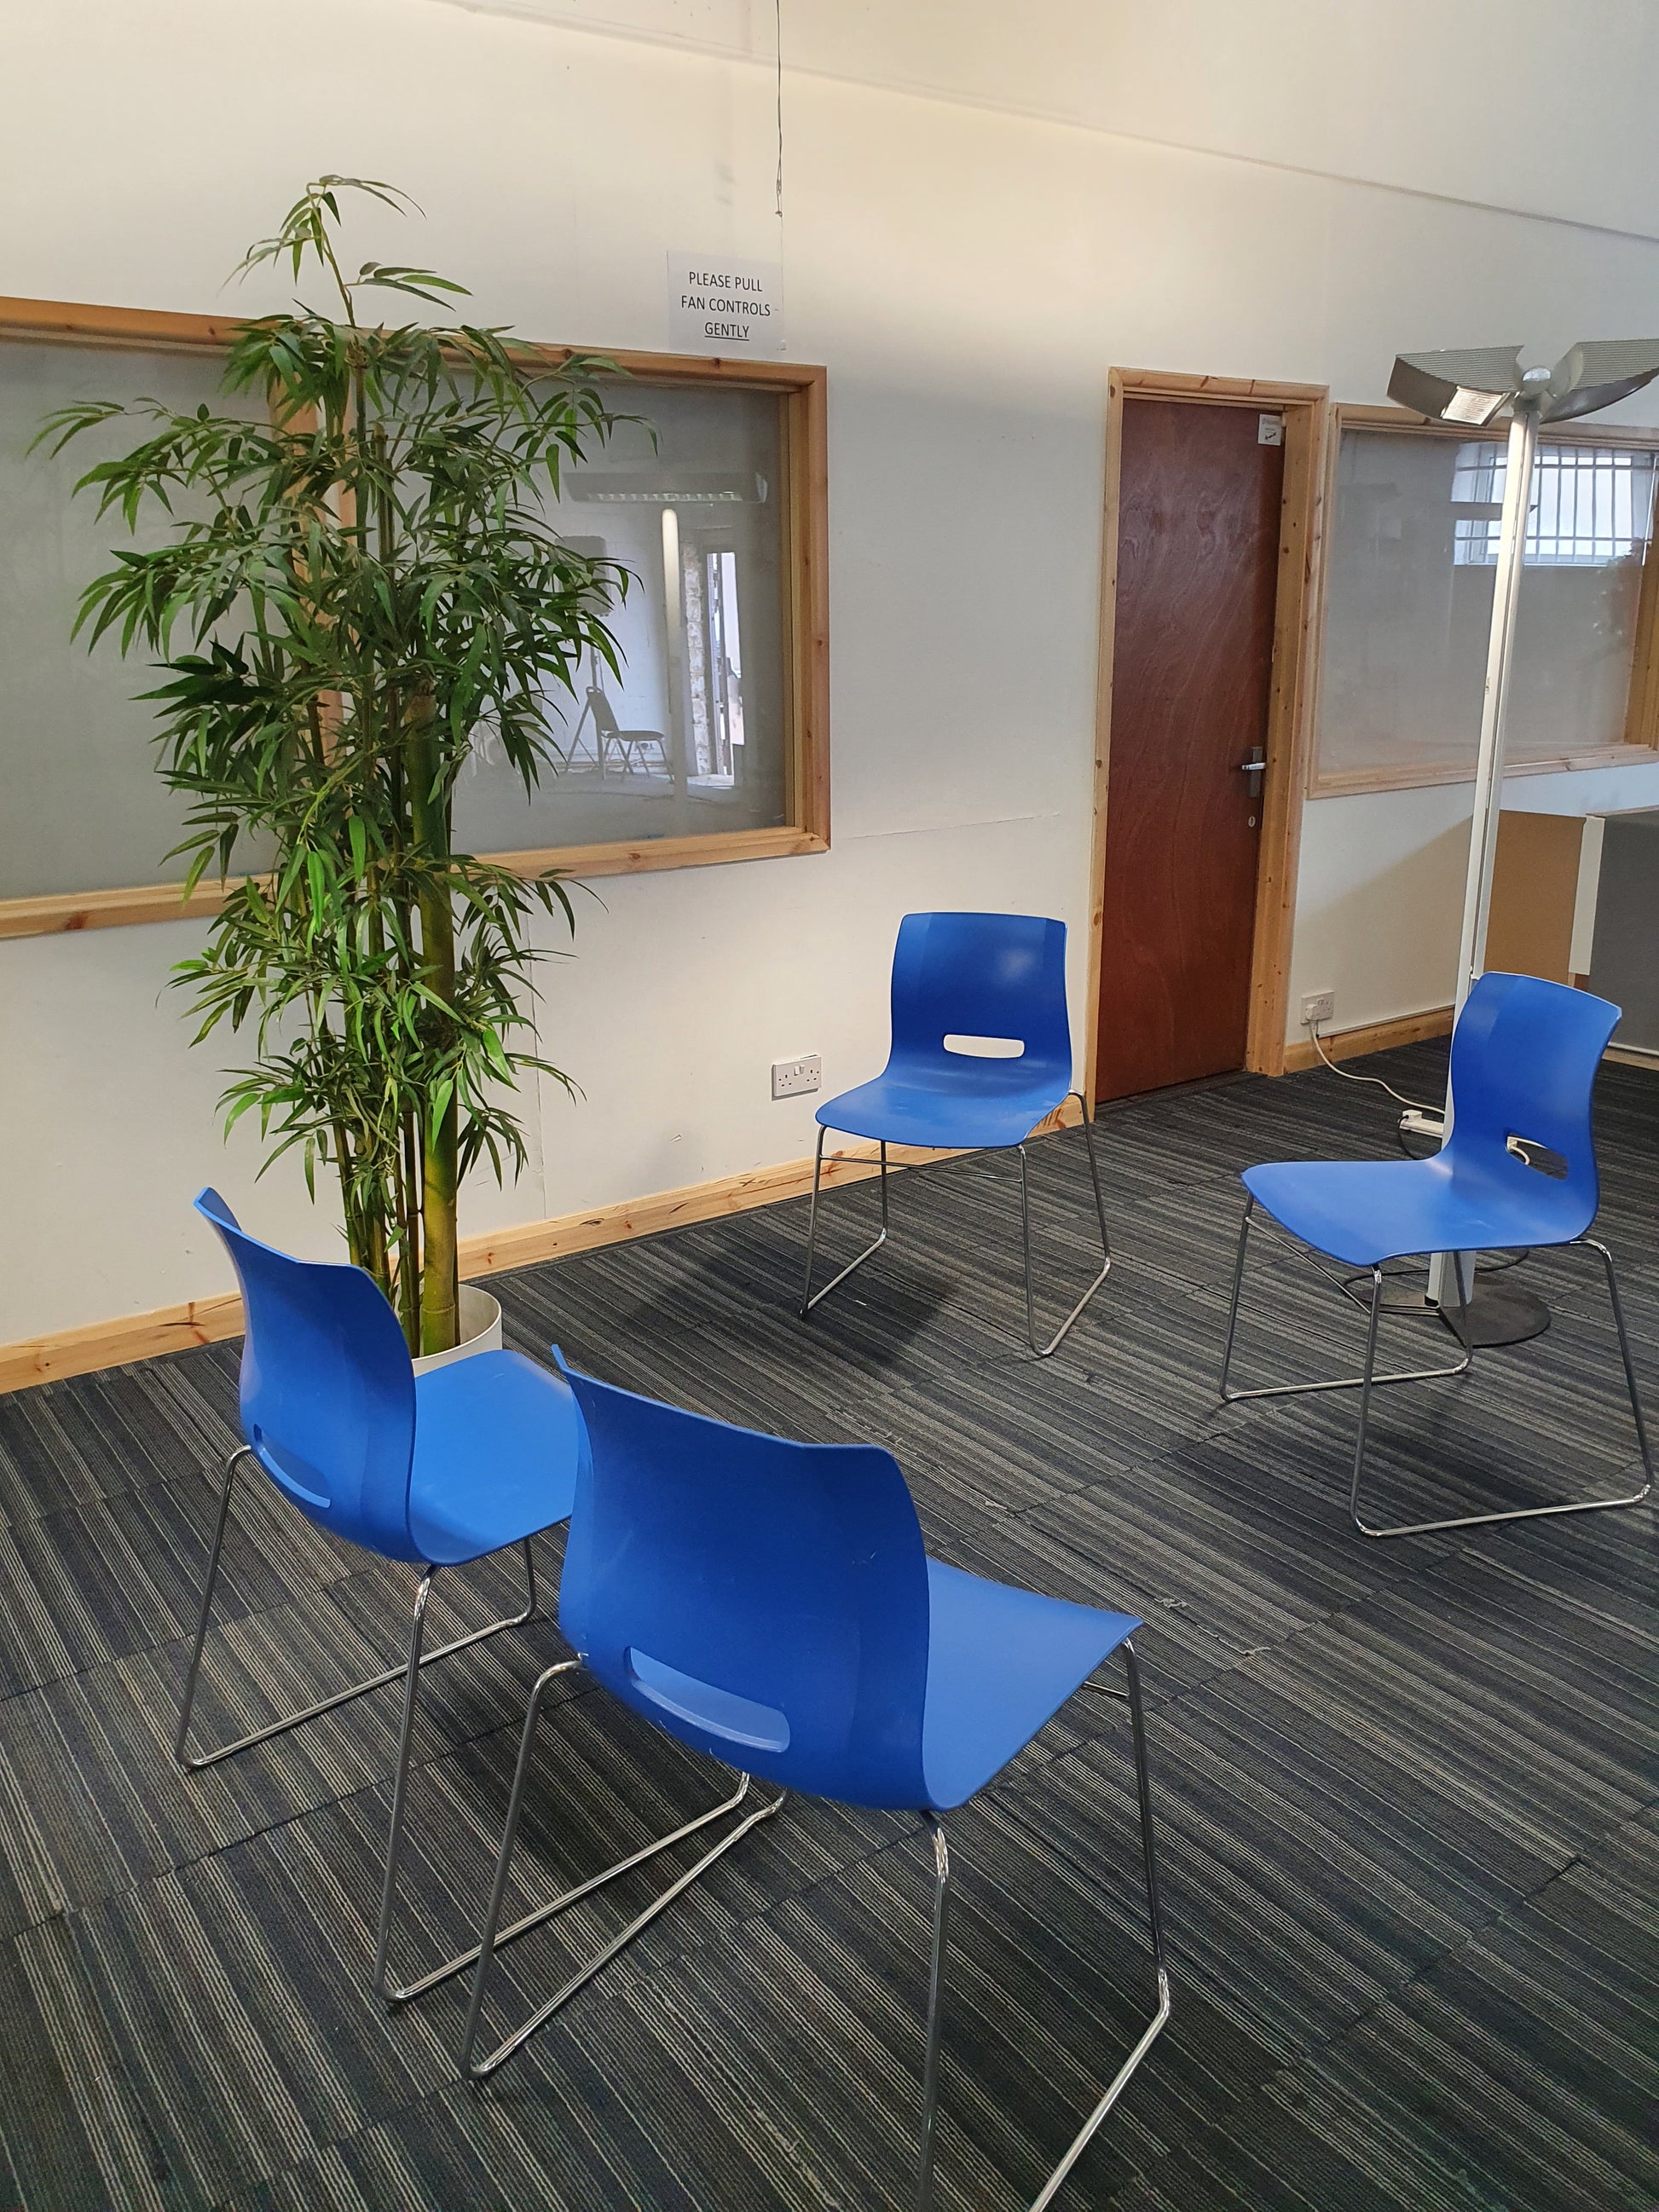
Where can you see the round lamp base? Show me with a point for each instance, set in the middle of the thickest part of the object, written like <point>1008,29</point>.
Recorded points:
<point>1500,1312</point>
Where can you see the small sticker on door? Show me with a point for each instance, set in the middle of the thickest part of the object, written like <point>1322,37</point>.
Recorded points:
<point>1270,429</point>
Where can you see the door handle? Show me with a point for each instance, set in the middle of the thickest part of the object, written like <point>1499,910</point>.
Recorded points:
<point>1254,768</point>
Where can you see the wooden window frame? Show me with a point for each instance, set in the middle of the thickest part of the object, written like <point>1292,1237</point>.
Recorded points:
<point>806,660</point>
<point>1305,408</point>
<point>1640,744</point>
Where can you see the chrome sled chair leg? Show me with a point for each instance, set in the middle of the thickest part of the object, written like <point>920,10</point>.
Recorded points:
<point>493,1935</point>
<point>193,1762</point>
<point>1154,2028</point>
<point>809,1297</point>
<point>1368,1379</point>
<point>1046,1351</point>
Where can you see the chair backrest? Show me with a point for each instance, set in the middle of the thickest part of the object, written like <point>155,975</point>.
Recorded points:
<point>328,1389</point>
<point>1523,1063</point>
<point>764,1601</point>
<point>604,716</point>
<point>982,976</point>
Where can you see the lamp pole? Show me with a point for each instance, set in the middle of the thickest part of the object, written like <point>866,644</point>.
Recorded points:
<point>1477,386</point>
<point>1489,800</point>
<point>1494,705</point>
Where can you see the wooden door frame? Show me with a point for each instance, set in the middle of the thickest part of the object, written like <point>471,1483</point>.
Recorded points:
<point>1305,408</point>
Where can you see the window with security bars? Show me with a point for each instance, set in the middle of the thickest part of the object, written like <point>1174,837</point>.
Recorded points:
<point>1410,564</point>
<point>1590,504</point>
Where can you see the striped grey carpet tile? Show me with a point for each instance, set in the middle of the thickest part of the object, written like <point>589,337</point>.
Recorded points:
<point>110,1577</point>
<point>1404,1791</point>
<point>1004,1430</point>
<point>107,1434</point>
<point>1490,2080</point>
<point>1323,1853</point>
<point>701,2066</point>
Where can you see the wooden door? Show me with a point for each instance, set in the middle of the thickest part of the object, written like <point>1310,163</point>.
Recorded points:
<point>1199,529</point>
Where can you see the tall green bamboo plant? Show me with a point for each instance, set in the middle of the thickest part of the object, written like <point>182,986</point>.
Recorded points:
<point>366,584</point>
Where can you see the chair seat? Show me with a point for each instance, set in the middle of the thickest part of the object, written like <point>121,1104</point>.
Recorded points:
<point>496,1437</point>
<point>1000,1662</point>
<point>977,1111</point>
<point>1365,1212</point>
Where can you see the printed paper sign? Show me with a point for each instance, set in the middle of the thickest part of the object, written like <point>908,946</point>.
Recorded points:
<point>717,304</point>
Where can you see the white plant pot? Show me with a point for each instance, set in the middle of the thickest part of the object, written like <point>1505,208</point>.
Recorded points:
<point>481,1330</point>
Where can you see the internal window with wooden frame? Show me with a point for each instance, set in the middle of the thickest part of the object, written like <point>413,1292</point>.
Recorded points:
<point>1410,559</point>
<point>710,745</point>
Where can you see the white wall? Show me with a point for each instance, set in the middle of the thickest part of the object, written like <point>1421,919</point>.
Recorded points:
<point>1533,105</point>
<point>968,274</point>
<point>1380,894</point>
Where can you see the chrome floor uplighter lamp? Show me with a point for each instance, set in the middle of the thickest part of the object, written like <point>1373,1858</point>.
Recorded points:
<point>1479,385</point>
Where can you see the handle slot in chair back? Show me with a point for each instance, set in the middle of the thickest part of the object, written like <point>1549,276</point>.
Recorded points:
<point>958,977</point>
<point>1523,1063</point>
<point>762,1600</point>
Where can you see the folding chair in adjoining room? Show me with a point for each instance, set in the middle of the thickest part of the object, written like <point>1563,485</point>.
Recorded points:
<point>632,746</point>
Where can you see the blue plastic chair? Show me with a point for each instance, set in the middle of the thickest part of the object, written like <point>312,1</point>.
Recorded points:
<point>959,976</point>
<point>771,1604</point>
<point>439,1469</point>
<point>1524,1061</point>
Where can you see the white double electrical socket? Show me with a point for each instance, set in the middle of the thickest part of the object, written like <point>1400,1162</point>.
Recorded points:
<point>790,1078</point>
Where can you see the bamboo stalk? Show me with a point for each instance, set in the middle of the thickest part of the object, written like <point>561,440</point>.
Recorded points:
<point>408,1215</point>
<point>439,1133</point>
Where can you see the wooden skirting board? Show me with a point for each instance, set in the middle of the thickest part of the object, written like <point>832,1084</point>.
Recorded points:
<point>208,1321</point>
<point>1375,1036</point>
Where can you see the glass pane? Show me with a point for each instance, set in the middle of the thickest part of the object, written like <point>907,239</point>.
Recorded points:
<point>84,809</point>
<point>1587,532</point>
<point>1411,565</point>
<point>691,739</point>
<point>1405,631</point>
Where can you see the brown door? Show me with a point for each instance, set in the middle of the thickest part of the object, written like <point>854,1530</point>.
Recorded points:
<point>1192,668</point>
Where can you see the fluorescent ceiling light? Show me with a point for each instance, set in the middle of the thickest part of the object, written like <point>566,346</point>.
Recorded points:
<point>656,488</point>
